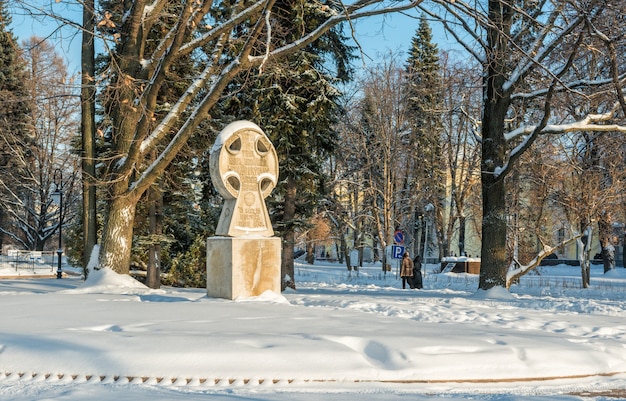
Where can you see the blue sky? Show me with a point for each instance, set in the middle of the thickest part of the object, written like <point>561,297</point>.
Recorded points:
<point>378,36</point>
<point>66,40</point>
<point>382,34</point>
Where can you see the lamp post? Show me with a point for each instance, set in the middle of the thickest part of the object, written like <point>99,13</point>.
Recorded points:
<point>57,197</point>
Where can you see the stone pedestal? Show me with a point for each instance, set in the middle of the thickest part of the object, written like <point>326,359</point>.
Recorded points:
<point>242,266</point>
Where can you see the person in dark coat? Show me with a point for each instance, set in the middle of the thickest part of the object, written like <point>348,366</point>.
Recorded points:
<point>406,271</point>
<point>417,272</point>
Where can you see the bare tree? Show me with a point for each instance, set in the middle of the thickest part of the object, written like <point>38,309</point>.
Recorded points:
<point>345,206</point>
<point>53,124</point>
<point>461,97</point>
<point>532,52</point>
<point>540,219</point>
<point>385,150</point>
<point>591,193</point>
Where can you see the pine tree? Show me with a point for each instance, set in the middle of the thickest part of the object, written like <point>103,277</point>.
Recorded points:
<point>15,141</point>
<point>298,114</point>
<point>424,82</point>
<point>14,110</point>
<point>423,93</point>
<point>296,103</point>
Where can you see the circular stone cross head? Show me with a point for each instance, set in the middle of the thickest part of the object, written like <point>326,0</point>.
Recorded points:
<point>244,169</point>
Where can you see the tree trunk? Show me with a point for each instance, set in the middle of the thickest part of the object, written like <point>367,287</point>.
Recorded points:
<point>339,252</point>
<point>624,252</point>
<point>287,265</point>
<point>584,256</point>
<point>153,275</point>
<point>376,255</point>
<point>310,252</point>
<point>416,232</point>
<point>88,132</point>
<point>605,231</point>
<point>423,239</point>
<point>117,235</point>
<point>344,250</point>
<point>462,235</point>
<point>2,214</point>
<point>494,265</point>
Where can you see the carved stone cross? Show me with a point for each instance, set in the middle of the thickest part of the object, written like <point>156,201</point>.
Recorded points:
<point>244,169</point>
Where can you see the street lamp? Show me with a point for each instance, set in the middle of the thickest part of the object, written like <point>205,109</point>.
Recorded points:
<point>57,198</point>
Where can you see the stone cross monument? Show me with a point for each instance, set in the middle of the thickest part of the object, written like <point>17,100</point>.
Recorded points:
<point>243,258</point>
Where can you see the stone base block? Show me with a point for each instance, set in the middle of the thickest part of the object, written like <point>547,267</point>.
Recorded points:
<point>242,266</point>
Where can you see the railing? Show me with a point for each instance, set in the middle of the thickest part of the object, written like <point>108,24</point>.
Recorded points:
<point>34,260</point>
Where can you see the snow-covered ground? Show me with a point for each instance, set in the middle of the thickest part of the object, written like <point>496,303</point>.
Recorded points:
<point>339,336</point>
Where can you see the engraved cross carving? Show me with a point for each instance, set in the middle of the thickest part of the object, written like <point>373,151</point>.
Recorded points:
<point>244,169</point>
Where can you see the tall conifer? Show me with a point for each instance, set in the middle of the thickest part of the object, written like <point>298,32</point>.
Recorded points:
<point>423,93</point>
<point>14,115</point>
<point>296,103</point>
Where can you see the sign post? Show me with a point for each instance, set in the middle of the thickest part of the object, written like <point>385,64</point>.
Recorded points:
<point>396,252</point>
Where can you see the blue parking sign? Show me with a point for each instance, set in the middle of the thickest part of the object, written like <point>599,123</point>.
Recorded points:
<point>397,251</point>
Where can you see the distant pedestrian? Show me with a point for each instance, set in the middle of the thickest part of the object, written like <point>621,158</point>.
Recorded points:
<point>406,271</point>
<point>417,272</point>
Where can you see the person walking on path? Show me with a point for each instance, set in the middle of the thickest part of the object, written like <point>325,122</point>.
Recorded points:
<point>417,272</point>
<point>406,271</point>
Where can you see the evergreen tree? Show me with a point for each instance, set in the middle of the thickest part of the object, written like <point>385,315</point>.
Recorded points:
<point>14,110</point>
<point>424,99</point>
<point>298,111</point>
<point>424,81</point>
<point>15,139</point>
<point>296,103</point>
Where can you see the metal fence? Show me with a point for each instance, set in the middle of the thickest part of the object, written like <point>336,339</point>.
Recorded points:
<point>34,260</point>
